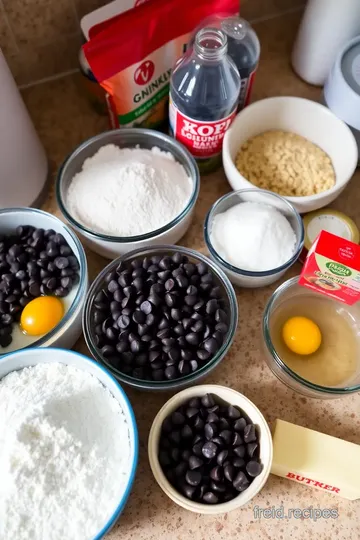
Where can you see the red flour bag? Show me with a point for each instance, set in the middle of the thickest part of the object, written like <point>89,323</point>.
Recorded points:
<point>132,55</point>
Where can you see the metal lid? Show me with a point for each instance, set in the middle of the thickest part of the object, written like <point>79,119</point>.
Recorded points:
<point>331,221</point>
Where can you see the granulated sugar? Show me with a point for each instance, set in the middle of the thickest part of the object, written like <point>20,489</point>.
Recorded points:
<point>128,191</point>
<point>253,236</point>
<point>64,454</point>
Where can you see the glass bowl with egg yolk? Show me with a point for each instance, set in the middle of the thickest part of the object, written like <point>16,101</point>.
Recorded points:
<point>312,342</point>
<point>39,317</point>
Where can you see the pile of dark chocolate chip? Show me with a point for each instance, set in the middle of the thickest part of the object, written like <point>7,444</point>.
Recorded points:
<point>209,451</point>
<point>33,262</point>
<point>159,318</point>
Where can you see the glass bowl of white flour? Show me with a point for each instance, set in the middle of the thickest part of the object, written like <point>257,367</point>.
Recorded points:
<point>68,446</point>
<point>127,189</point>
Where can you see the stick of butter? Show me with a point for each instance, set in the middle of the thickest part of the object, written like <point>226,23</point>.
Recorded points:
<point>316,460</point>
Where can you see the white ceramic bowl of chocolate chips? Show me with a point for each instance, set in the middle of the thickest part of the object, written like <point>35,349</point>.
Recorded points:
<point>210,449</point>
<point>43,281</point>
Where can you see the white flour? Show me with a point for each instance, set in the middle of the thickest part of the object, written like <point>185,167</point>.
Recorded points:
<point>64,454</point>
<point>253,236</point>
<point>129,191</point>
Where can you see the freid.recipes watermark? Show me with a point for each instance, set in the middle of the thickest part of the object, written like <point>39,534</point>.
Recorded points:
<point>279,512</point>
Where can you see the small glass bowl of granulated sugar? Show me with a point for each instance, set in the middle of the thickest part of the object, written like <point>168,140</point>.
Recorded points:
<point>254,236</point>
<point>128,188</point>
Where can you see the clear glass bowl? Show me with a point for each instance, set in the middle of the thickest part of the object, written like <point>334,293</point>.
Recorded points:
<point>112,246</point>
<point>291,289</point>
<point>247,278</point>
<point>66,333</point>
<point>186,380</point>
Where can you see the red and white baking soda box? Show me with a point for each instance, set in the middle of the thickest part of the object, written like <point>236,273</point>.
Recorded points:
<point>332,267</point>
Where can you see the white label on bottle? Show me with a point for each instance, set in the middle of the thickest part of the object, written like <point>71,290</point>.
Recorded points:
<point>202,139</point>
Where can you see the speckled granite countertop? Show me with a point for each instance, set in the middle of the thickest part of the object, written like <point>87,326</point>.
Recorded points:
<point>64,119</point>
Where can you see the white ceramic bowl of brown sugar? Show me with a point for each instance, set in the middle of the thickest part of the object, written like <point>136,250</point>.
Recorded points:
<point>297,165</point>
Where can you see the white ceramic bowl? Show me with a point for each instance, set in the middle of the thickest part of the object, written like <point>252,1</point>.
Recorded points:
<point>67,332</point>
<point>233,398</point>
<point>248,278</point>
<point>31,357</point>
<point>303,117</point>
<point>114,246</point>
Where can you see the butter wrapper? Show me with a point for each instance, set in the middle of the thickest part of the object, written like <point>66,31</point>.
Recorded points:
<point>316,460</point>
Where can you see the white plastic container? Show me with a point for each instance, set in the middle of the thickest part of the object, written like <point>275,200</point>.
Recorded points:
<point>307,118</point>
<point>231,397</point>
<point>23,162</point>
<point>325,27</point>
<point>342,87</point>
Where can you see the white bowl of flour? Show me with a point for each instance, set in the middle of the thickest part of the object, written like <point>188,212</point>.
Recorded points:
<point>129,188</point>
<point>68,446</point>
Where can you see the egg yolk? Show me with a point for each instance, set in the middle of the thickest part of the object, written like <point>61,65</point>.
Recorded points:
<point>41,315</point>
<point>301,335</point>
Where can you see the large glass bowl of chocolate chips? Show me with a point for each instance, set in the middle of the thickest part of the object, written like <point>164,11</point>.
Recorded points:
<point>160,317</point>
<point>210,449</point>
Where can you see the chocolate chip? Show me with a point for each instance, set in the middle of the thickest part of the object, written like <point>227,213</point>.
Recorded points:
<point>198,423</point>
<point>184,367</point>
<point>253,468</point>
<point>239,451</point>
<point>180,469</point>
<point>249,433</point>
<point>226,435</point>
<point>221,457</point>
<point>207,400</point>
<point>123,321</point>
<point>218,487</point>
<point>240,481</point>
<point>177,418</point>
<point>209,450</point>
<point>238,462</point>
<point>203,355</point>
<point>195,462</point>
<point>197,449</point>
<point>237,439</point>
<point>191,412</point>
<point>210,498</point>
<point>186,432</point>
<point>217,473</point>
<point>240,424</point>
<point>229,472</point>
<point>62,262</point>
<point>186,454</point>
<point>211,345</point>
<point>171,372</point>
<point>193,477</point>
<point>251,448</point>
<point>189,491</point>
<point>210,430</point>
<point>175,437</point>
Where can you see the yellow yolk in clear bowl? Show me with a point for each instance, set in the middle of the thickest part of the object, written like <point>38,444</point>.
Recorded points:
<point>41,315</point>
<point>301,335</point>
